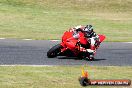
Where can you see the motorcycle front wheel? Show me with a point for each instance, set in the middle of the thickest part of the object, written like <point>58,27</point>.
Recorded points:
<point>54,51</point>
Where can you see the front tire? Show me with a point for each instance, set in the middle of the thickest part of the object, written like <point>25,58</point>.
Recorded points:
<point>54,51</point>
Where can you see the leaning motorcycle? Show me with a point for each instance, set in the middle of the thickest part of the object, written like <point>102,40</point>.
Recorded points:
<point>72,46</point>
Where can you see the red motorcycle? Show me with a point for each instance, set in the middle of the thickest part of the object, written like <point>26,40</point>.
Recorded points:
<point>72,46</point>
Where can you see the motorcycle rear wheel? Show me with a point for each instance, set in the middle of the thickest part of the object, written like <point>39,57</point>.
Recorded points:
<point>91,59</point>
<point>54,51</point>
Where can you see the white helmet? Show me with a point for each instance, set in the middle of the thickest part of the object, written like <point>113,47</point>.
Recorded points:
<point>88,29</point>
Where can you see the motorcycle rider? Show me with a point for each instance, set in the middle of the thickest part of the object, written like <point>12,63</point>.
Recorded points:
<point>91,36</point>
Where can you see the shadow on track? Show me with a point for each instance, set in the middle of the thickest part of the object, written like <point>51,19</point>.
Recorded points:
<point>95,59</point>
<point>75,58</point>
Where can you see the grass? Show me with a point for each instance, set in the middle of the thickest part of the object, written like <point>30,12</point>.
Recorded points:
<point>48,19</point>
<point>58,76</point>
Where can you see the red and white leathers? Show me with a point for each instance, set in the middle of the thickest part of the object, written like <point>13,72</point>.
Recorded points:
<point>93,38</point>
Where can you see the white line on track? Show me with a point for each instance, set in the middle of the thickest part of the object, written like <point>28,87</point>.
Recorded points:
<point>54,40</point>
<point>26,39</point>
<point>2,38</point>
<point>28,65</point>
<point>127,42</point>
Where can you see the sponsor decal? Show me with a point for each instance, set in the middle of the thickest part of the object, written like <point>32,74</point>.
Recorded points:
<point>86,81</point>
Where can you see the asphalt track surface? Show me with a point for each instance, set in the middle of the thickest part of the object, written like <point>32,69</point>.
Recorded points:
<point>33,52</point>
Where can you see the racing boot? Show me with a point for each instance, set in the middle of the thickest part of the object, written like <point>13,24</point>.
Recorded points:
<point>91,54</point>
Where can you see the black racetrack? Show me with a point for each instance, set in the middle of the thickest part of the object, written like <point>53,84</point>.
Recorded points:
<point>33,52</point>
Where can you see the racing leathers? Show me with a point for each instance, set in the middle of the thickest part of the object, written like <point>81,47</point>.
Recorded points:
<point>92,39</point>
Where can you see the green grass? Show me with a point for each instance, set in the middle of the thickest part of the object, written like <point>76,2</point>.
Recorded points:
<point>48,19</point>
<point>58,76</point>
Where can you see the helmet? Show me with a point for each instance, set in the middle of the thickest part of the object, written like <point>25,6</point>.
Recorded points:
<point>88,29</point>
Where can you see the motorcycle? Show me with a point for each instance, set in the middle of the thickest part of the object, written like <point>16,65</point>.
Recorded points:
<point>71,46</point>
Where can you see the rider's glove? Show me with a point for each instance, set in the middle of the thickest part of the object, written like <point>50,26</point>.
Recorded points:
<point>79,30</point>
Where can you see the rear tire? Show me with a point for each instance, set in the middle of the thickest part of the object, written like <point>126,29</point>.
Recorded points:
<point>91,56</point>
<point>54,51</point>
<point>81,55</point>
<point>92,59</point>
